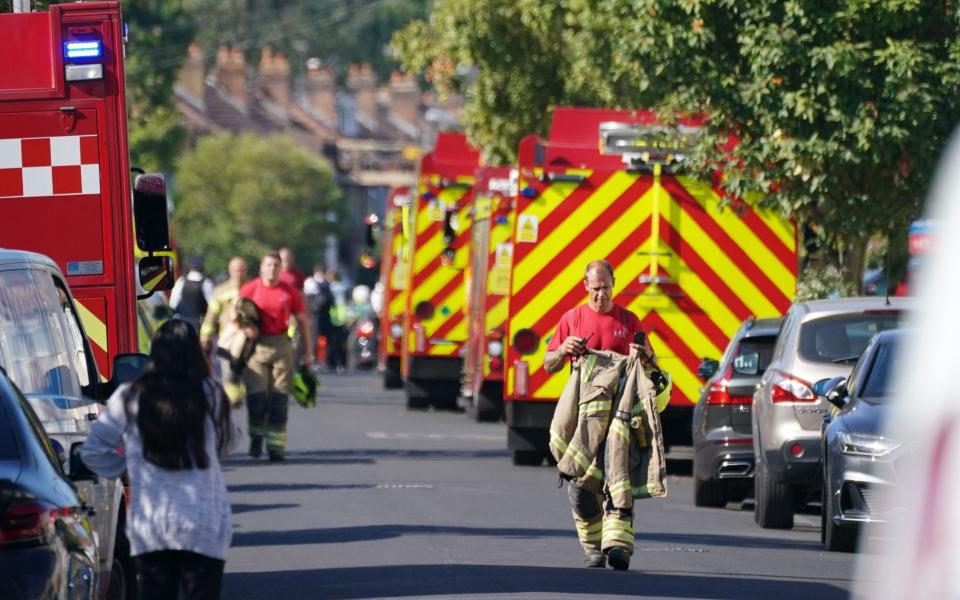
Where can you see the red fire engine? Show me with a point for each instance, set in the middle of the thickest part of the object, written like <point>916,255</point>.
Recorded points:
<point>64,170</point>
<point>434,328</point>
<point>395,264</point>
<point>603,186</point>
<point>491,253</point>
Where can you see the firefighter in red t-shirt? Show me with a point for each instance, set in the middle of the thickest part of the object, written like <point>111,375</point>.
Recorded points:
<point>599,325</point>
<point>270,370</point>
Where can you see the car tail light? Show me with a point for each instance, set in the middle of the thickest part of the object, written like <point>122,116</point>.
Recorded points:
<point>28,522</point>
<point>787,388</point>
<point>496,364</point>
<point>526,341</point>
<point>719,395</point>
<point>796,450</point>
<point>366,328</point>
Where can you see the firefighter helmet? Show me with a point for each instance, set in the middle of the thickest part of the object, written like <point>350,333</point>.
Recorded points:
<point>305,387</point>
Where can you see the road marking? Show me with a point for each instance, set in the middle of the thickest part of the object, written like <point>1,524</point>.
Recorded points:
<point>380,435</point>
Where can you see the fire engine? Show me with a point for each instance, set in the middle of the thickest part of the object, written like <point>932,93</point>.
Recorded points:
<point>395,264</point>
<point>65,192</point>
<point>604,184</point>
<point>65,173</point>
<point>434,328</point>
<point>491,253</point>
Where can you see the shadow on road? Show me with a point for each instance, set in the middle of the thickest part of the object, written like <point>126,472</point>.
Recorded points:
<point>418,454</point>
<point>298,458</point>
<point>340,535</point>
<point>245,508</point>
<point>453,580</point>
<point>296,487</point>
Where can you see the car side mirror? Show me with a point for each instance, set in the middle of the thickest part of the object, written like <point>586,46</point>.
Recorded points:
<point>834,390</point>
<point>126,367</point>
<point>708,368</point>
<point>79,471</point>
<point>59,451</point>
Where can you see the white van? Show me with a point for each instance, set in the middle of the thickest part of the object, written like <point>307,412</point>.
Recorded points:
<point>44,351</point>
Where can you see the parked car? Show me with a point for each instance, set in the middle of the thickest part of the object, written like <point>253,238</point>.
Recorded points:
<point>45,352</point>
<point>47,544</point>
<point>818,340</point>
<point>722,432</point>
<point>857,458</point>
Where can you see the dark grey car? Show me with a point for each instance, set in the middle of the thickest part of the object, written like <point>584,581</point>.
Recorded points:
<point>857,459</point>
<point>722,430</point>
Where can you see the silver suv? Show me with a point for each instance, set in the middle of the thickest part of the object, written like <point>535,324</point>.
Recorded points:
<point>819,340</point>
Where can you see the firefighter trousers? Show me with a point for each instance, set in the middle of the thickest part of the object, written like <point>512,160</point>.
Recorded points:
<point>600,525</point>
<point>267,420</point>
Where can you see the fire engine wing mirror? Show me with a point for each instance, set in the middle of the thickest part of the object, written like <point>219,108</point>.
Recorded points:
<point>155,273</point>
<point>126,367</point>
<point>150,212</point>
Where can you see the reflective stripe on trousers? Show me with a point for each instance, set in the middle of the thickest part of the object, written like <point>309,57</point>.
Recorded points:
<point>599,525</point>
<point>267,419</point>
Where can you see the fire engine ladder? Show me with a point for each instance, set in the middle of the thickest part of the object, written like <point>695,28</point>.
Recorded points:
<point>652,280</point>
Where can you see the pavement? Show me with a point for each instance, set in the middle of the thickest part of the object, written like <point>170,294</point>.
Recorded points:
<point>375,501</point>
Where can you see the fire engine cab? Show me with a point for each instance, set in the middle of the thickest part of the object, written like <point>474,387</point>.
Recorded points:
<point>65,179</point>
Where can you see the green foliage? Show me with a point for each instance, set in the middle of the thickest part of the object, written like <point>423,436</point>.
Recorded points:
<point>159,32</point>
<point>246,194</point>
<point>841,108</point>
<point>340,32</point>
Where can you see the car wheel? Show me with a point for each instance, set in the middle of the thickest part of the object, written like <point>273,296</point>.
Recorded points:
<point>709,494</point>
<point>834,537</point>
<point>774,500</point>
<point>527,458</point>
<point>123,579</point>
<point>392,379</point>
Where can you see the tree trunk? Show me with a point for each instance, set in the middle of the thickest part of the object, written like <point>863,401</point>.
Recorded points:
<point>853,257</point>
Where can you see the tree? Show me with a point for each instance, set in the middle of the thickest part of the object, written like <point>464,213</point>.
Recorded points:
<point>841,110</point>
<point>159,32</point>
<point>246,194</point>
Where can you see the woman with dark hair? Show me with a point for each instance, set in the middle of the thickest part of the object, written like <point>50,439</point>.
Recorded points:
<point>167,429</point>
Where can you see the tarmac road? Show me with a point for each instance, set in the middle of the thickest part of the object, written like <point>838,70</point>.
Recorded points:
<point>375,501</point>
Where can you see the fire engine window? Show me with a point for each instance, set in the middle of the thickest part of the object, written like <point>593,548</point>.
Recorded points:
<point>33,346</point>
<point>74,337</point>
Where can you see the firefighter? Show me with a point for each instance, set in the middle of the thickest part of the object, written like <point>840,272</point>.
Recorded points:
<point>220,323</point>
<point>269,371</point>
<point>605,532</point>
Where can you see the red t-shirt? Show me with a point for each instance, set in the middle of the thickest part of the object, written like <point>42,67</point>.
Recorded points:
<point>611,331</point>
<point>276,304</point>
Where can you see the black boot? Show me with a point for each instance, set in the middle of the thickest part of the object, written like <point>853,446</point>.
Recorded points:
<point>595,560</point>
<point>618,558</point>
<point>256,447</point>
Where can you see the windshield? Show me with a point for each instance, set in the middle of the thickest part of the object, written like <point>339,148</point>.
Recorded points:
<point>842,338</point>
<point>753,355</point>
<point>877,384</point>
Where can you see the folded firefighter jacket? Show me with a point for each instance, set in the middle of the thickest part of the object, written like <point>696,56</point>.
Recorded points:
<point>606,434</point>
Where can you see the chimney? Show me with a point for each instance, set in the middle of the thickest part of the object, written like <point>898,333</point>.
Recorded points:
<point>232,73</point>
<point>405,97</point>
<point>191,73</point>
<point>321,89</point>
<point>361,81</point>
<point>275,77</point>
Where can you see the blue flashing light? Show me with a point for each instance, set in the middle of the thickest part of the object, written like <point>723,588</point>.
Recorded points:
<point>83,49</point>
<point>528,192</point>
<point>428,196</point>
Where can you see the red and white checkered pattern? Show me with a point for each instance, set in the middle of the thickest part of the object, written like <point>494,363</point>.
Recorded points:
<point>52,166</point>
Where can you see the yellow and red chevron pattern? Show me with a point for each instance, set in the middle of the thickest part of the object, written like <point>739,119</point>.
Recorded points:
<point>434,279</point>
<point>690,270</point>
<point>396,266</point>
<point>497,298</point>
